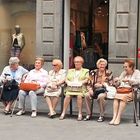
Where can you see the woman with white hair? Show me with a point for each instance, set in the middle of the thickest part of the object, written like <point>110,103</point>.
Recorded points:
<point>13,71</point>
<point>76,81</point>
<point>53,90</point>
<point>38,76</point>
<point>99,78</point>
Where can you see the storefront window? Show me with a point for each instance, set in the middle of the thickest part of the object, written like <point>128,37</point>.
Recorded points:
<point>23,14</point>
<point>89,30</point>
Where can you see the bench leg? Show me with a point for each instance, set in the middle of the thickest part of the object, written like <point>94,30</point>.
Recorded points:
<point>91,107</point>
<point>139,110</point>
<point>71,107</point>
<point>62,102</point>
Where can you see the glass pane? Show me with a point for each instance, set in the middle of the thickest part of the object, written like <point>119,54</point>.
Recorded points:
<point>22,13</point>
<point>89,30</point>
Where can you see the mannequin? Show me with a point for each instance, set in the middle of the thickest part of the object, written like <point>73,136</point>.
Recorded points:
<point>18,42</point>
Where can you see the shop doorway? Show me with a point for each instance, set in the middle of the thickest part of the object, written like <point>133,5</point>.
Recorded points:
<point>88,31</point>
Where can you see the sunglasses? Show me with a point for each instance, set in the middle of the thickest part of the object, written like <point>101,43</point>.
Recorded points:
<point>54,65</point>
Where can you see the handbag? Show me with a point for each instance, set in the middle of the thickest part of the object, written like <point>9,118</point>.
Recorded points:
<point>10,85</point>
<point>74,87</point>
<point>111,92</point>
<point>99,90</point>
<point>29,86</point>
<point>124,90</point>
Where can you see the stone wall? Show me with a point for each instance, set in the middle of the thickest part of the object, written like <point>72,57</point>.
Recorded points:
<point>122,33</point>
<point>49,30</point>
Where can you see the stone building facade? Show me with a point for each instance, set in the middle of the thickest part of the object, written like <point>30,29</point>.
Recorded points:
<point>48,35</point>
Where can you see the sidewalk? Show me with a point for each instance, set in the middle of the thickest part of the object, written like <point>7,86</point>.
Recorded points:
<point>44,128</point>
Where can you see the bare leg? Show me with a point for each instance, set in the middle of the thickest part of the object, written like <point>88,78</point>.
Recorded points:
<point>8,106</point>
<point>87,101</point>
<point>49,102</point>
<point>55,102</point>
<point>79,104</point>
<point>115,110</point>
<point>65,106</point>
<point>101,102</point>
<point>120,111</point>
<point>5,103</point>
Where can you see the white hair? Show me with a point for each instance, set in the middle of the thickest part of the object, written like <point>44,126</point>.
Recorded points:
<point>101,60</point>
<point>13,60</point>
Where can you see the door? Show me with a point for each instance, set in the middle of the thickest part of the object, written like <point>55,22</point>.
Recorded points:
<point>122,33</point>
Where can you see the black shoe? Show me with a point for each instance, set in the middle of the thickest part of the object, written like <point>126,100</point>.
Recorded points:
<point>87,118</point>
<point>7,112</point>
<point>52,116</point>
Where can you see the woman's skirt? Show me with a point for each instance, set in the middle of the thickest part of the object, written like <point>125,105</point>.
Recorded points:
<point>52,93</point>
<point>124,97</point>
<point>70,93</point>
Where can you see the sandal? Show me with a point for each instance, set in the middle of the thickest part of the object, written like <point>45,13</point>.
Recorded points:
<point>101,119</point>
<point>7,112</point>
<point>52,115</point>
<point>79,117</point>
<point>62,117</point>
<point>87,118</point>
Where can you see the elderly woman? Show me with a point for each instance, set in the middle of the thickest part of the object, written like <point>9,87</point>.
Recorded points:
<point>11,72</point>
<point>38,76</point>
<point>99,78</point>
<point>76,80</point>
<point>128,77</point>
<point>53,89</point>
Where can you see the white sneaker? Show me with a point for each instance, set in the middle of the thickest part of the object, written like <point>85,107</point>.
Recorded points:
<point>34,114</point>
<point>20,112</point>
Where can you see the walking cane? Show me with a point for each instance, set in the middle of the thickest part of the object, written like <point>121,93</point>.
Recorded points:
<point>134,106</point>
<point>14,106</point>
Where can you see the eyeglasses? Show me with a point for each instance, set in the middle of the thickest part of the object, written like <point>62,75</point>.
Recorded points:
<point>125,66</point>
<point>54,65</point>
<point>77,61</point>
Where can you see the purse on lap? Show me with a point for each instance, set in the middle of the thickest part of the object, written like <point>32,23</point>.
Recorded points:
<point>29,86</point>
<point>98,91</point>
<point>74,87</point>
<point>124,90</point>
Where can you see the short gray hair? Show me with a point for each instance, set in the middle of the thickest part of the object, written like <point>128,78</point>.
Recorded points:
<point>13,60</point>
<point>101,60</point>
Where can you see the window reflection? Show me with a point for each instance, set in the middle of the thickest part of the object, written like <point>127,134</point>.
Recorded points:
<point>22,13</point>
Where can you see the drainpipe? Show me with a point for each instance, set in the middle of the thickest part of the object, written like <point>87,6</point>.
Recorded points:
<point>138,31</point>
<point>90,22</point>
<point>63,10</point>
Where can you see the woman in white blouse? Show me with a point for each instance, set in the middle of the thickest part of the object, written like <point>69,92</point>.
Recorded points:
<point>38,76</point>
<point>53,89</point>
<point>130,76</point>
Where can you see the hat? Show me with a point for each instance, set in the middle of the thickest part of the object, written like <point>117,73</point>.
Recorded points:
<point>13,60</point>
